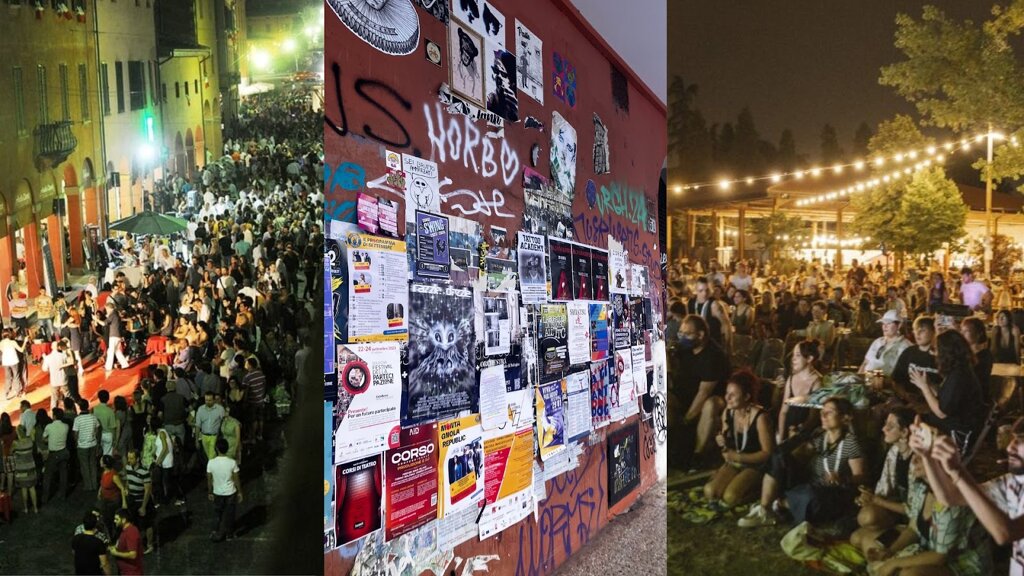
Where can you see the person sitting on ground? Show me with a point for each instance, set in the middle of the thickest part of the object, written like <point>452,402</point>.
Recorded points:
<point>884,507</point>
<point>885,350</point>
<point>803,380</point>
<point>745,441</point>
<point>836,468</point>
<point>958,408</point>
<point>697,389</point>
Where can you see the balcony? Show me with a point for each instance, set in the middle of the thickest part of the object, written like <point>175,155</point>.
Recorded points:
<point>54,142</point>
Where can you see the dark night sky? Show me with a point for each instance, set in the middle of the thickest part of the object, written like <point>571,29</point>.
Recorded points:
<point>796,63</point>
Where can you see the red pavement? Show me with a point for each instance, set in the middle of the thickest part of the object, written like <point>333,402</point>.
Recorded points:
<point>120,383</point>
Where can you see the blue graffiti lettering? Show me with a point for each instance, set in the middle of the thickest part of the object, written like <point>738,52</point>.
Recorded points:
<point>347,176</point>
<point>623,201</point>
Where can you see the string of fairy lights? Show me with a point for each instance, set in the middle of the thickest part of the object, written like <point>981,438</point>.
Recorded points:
<point>906,164</point>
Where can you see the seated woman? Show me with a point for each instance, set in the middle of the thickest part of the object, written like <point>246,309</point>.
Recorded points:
<point>836,468</point>
<point>745,441</point>
<point>820,328</point>
<point>743,314</point>
<point>882,508</point>
<point>958,409</point>
<point>803,380</point>
<point>940,540</point>
<point>1005,339</point>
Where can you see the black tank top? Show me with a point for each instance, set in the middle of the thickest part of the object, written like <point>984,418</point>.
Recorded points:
<point>742,441</point>
<point>704,311</point>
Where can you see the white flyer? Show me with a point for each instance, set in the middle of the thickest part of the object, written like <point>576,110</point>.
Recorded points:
<point>578,421</point>
<point>618,267</point>
<point>369,399</point>
<point>421,188</point>
<point>493,398</point>
<point>579,331</point>
<point>533,274</point>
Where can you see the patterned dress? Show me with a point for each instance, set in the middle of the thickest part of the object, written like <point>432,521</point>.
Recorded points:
<point>953,531</point>
<point>24,463</point>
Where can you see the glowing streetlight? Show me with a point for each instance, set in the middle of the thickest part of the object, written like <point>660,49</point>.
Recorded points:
<point>288,45</point>
<point>260,59</point>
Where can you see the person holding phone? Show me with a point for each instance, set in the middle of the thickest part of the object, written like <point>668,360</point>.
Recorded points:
<point>957,408</point>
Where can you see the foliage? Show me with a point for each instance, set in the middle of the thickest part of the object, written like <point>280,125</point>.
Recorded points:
<point>861,138</point>
<point>772,232</point>
<point>910,216</point>
<point>830,150</point>
<point>1004,254</point>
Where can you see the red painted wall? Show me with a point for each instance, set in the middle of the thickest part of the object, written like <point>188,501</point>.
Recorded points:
<point>376,102</point>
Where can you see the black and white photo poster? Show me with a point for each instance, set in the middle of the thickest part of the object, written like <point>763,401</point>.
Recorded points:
<point>532,269</point>
<point>530,71</point>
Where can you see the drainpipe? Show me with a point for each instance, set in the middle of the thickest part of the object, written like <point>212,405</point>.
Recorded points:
<point>102,122</point>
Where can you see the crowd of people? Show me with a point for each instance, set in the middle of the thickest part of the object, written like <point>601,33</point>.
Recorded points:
<point>853,400</point>
<point>216,331</point>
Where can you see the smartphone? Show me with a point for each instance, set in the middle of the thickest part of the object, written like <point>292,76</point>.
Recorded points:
<point>926,434</point>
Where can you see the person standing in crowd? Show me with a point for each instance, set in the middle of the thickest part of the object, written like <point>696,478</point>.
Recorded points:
<point>140,495</point>
<point>208,421</point>
<point>44,315</point>
<point>974,294</point>
<point>128,550</point>
<point>255,384</point>
<point>10,357</point>
<point>108,423</point>
<point>89,550</point>
<point>25,477</point>
<point>58,456</point>
<point>54,364</point>
<point>87,432</point>
<point>224,488</point>
<point>114,332</point>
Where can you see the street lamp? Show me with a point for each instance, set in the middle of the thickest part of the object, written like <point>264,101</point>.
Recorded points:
<point>260,59</point>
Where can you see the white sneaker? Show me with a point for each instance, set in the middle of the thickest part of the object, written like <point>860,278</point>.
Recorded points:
<point>758,516</point>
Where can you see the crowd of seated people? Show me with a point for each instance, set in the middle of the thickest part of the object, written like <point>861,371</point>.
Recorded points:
<point>751,350</point>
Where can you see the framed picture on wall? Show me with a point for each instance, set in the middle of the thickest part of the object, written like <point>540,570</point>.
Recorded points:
<point>466,62</point>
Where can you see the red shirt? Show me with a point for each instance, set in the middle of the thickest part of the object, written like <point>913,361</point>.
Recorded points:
<point>130,540</point>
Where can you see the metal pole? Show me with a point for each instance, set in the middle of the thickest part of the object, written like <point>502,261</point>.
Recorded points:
<point>989,240</point>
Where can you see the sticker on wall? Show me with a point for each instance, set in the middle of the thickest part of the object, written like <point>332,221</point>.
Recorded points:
<point>432,52</point>
<point>393,160</point>
<point>602,161</point>
<point>470,12</point>
<point>600,405</point>
<point>598,331</point>
<point>563,156</point>
<point>563,80</point>
<point>359,498</point>
<point>494,26</point>
<point>393,27</point>
<point>534,155</point>
<point>500,67</point>
<point>367,212</point>
<point>618,267</point>
<point>441,361</point>
<point>436,8</point>
<point>532,271</point>
<point>530,54</point>
<point>466,62</point>
<point>532,122</point>
<point>421,187</point>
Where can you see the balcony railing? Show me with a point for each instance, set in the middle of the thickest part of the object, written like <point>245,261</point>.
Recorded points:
<point>54,142</point>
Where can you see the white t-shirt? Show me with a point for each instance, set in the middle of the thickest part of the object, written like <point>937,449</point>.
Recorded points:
<point>1005,491</point>
<point>972,293</point>
<point>741,282</point>
<point>222,468</point>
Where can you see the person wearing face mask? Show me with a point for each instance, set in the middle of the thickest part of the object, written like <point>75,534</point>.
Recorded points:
<point>998,503</point>
<point>697,390</point>
<point>745,441</point>
<point>938,540</point>
<point>703,304</point>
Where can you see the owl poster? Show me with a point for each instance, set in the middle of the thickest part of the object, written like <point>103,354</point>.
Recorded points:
<point>441,361</point>
<point>421,187</point>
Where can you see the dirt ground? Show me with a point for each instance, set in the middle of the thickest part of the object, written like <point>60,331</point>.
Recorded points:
<point>720,548</point>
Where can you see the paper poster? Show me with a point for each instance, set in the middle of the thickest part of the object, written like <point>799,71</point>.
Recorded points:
<point>387,217</point>
<point>367,213</point>
<point>378,295</point>
<point>578,419</point>
<point>460,461</point>
<point>563,79</point>
<point>470,12</point>
<point>639,369</point>
<point>499,245</point>
<point>466,59</point>
<point>464,237</point>
<point>600,403</point>
<point>639,280</point>
<point>329,470</point>
<point>411,476</point>
<point>520,384</point>
<point>553,342</point>
<point>369,399</point>
<point>620,322</point>
<point>432,257</point>
<point>599,272</point>
<point>500,69</point>
<point>493,398</point>
<point>637,320</point>
<point>530,70</point>
<point>421,188</point>
<point>497,324</point>
<point>623,392</point>
<point>561,269</point>
<point>582,280</point>
<point>458,526</point>
<point>358,485</point>
<point>618,268</point>
<point>441,362</point>
<point>532,269</point>
<point>329,316</point>
<point>602,161</point>
<point>563,156</point>
<point>398,37</point>
<point>546,210</point>
<point>540,492</point>
<point>494,29</point>
<point>501,274</point>
<point>550,419</point>
<point>509,491</point>
<point>598,331</point>
<point>578,314</point>
<point>565,461</point>
<point>623,462</point>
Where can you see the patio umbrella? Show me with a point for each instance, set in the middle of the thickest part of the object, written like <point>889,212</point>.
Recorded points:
<point>149,222</point>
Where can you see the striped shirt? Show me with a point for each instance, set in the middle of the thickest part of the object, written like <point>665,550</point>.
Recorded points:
<point>137,478</point>
<point>85,426</point>
<point>255,384</point>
